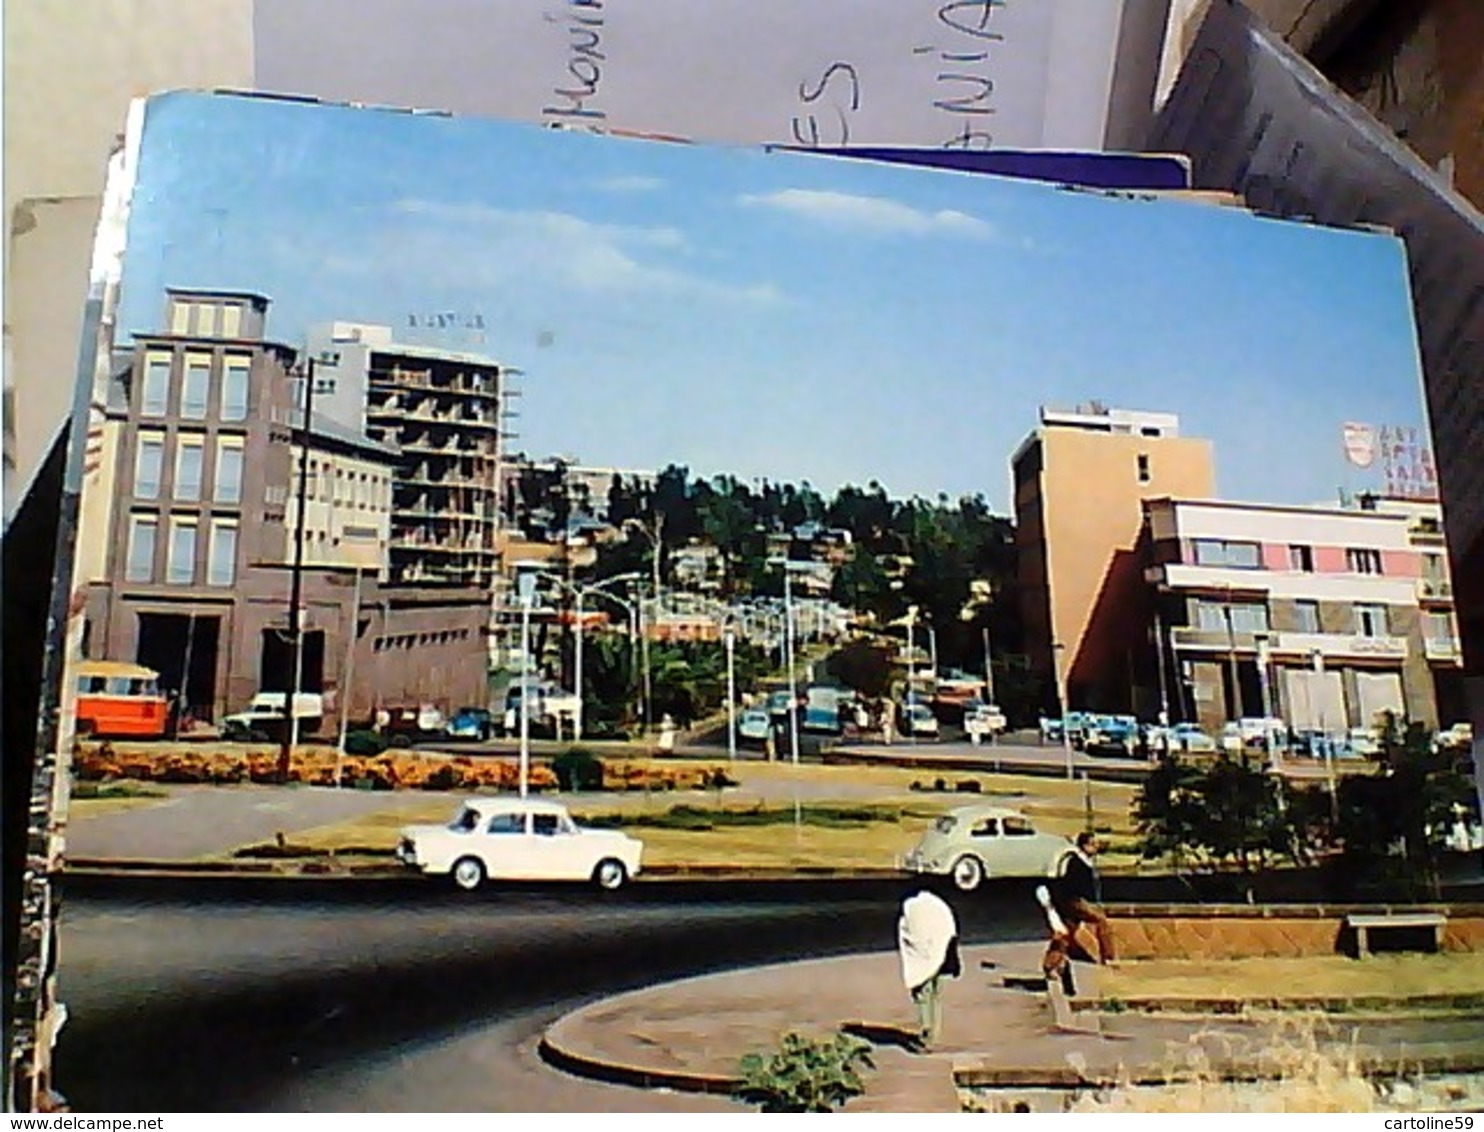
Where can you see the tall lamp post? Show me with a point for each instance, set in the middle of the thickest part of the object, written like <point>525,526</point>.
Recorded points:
<point>730,638</point>
<point>789,569</point>
<point>296,581</point>
<point>911,673</point>
<point>1058,651</point>
<point>525,595</point>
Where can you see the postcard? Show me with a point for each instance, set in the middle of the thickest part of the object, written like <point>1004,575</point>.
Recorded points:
<point>582,623</point>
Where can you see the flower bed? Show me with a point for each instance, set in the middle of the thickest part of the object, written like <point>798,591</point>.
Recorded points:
<point>391,770</point>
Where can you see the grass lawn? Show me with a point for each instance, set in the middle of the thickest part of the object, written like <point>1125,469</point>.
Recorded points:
<point>1327,976</point>
<point>852,817</point>
<point>89,799</point>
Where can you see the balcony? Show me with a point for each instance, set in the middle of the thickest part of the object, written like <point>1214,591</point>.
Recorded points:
<point>1339,646</point>
<point>1446,649</point>
<point>1434,590</point>
<point>1344,646</point>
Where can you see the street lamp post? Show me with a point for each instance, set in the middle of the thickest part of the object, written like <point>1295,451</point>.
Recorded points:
<point>525,591</point>
<point>1058,651</point>
<point>988,670</point>
<point>911,674</point>
<point>731,643</point>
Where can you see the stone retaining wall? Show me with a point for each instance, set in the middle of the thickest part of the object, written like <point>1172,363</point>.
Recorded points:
<point>1242,931</point>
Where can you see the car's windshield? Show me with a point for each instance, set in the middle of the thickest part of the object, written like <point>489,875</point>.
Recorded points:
<point>467,821</point>
<point>945,824</point>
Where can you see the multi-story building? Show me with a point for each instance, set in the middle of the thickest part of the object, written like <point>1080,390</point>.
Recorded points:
<point>1080,481</point>
<point>193,573</point>
<point>1317,615</point>
<point>443,409</point>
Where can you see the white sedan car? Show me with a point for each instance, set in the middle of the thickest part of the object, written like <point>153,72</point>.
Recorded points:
<point>522,839</point>
<point>975,842</point>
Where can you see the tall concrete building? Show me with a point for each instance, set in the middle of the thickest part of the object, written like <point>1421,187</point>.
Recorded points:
<point>1323,616</point>
<point>444,410</point>
<point>190,528</point>
<point>1080,482</point>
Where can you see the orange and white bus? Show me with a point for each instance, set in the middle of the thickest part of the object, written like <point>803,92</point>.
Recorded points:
<point>118,699</point>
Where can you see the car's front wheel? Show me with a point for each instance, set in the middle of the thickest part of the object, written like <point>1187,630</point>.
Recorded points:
<point>468,873</point>
<point>610,875</point>
<point>968,873</point>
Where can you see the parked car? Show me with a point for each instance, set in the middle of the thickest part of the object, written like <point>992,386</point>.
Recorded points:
<point>472,723</point>
<point>1362,743</point>
<point>1190,739</point>
<point>506,838</point>
<point>822,711</point>
<point>986,719</point>
<point>406,724</point>
<point>1051,729</point>
<point>754,726</point>
<point>1459,737</point>
<point>265,717</point>
<point>1112,735</point>
<point>974,842</point>
<point>919,720</point>
<point>779,704</point>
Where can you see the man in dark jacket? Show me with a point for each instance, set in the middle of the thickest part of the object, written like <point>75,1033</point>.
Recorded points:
<point>1079,896</point>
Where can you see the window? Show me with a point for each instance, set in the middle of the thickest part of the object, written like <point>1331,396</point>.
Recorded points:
<point>1018,827</point>
<point>1306,616</point>
<point>221,560</point>
<point>231,321</point>
<point>1301,558</point>
<point>1363,561</point>
<point>1143,464</point>
<point>149,465</point>
<point>180,316</point>
<point>188,458</point>
<point>227,483</point>
<point>1370,620</point>
<point>1437,627</point>
<point>195,390</point>
<point>140,566</point>
<point>180,567</point>
<point>1217,552</point>
<point>1210,617</point>
<point>507,823</point>
<point>466,822</point>
<point>154,398</point>
<point>546,825</point>
<point>989,827</point>
<point>1249,617</point>
<point>235,372</point>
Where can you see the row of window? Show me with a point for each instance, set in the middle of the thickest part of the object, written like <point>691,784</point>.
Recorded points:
<point>420,640</point>
<point>201,319</point>
<point>1248,556</point>
<point>330,482</point>
<point>192,457</point>
<point>1369,620</point>
<point>182,549</point>
<point>197,387</point>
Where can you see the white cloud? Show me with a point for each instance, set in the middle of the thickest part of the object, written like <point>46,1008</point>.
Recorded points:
<point>483,246</point>
<point>872,214</point>
<point>629,184</point>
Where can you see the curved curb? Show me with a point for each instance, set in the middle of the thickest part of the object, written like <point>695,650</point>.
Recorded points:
<point>617,1073</point>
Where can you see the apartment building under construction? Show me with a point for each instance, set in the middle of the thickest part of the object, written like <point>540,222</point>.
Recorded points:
<point>445,410</point>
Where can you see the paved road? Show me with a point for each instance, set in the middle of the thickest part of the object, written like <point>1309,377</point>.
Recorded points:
<point>422,1003</point>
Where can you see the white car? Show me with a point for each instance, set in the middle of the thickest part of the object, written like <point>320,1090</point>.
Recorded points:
<point>975,842</point>
<point>918,719</point>
<point>526,839</point>
<point>985,719</point>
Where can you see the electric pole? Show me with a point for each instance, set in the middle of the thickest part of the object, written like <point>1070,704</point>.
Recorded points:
<point>296,582</point>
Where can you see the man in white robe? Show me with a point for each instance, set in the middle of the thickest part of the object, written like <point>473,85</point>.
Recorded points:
<point>927,940</point>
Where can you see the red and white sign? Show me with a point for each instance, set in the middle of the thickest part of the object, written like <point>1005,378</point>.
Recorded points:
<point>1360,444</point>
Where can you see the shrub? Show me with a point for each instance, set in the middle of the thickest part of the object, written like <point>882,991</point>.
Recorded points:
<point>804,1075</point>
<point>578,769</point>
<point>364,743</point>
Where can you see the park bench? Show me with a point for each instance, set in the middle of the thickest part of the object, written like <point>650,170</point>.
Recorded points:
<point>1364,924</point>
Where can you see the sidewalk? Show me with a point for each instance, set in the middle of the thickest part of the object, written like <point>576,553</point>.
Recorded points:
<point>691,1034</point>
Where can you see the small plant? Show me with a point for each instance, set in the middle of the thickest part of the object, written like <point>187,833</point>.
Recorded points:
<point>364,743</point>
<point>805,1075</point>
<point>578,769</point>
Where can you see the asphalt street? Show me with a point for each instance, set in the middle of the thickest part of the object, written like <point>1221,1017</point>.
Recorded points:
<point>407,998</point>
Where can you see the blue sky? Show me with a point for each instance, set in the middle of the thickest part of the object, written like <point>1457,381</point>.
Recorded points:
<point>785,316</point>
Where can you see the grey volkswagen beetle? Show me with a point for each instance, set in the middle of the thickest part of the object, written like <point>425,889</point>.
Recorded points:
<point>974,842</point>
